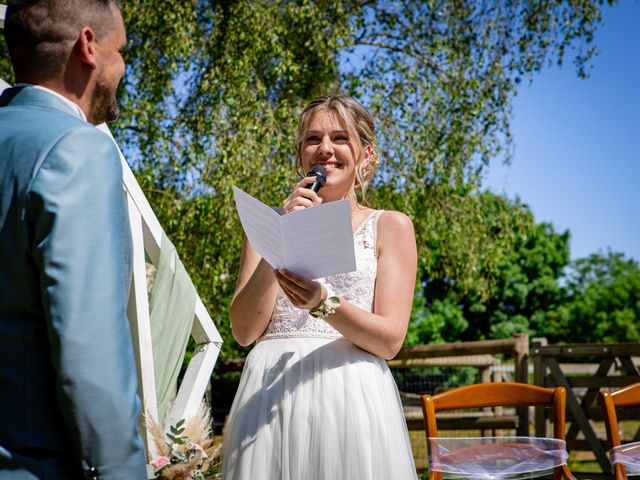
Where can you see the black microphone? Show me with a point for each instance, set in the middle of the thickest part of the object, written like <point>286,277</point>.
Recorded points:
<point>320,173</point>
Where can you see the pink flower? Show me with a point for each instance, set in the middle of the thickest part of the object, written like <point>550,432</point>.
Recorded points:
<point>160,462</point>
<point>198,448</point>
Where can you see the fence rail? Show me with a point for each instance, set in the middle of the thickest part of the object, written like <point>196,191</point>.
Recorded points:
<point>583,369</point>
<point>611,366</point>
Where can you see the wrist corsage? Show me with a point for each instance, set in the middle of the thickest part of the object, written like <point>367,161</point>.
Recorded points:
<point>327,307</point>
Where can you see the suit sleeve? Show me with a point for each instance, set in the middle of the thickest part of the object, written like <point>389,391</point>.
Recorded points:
<point>82,246</point>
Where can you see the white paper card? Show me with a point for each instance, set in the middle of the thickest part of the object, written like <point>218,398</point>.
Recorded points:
<point>315,242</point>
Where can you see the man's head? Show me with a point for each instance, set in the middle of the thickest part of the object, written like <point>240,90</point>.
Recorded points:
<point>72,46</point>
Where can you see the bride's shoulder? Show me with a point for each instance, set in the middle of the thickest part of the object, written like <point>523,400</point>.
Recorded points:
<point>395,231</point>
<point>394,221</point>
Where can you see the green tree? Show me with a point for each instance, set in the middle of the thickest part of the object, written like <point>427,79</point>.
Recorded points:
<point>216,106</point>
<point>536,290</point>
<point>213,89</point>
<point>603,302</point>
<point>525,291</point>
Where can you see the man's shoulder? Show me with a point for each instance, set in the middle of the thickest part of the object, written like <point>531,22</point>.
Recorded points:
<point>37,121</point>
<point>51,138</point>
<point>41,129</point>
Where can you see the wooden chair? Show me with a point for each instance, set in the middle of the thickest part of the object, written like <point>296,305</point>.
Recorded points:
<point>625,397</point>
<point>495,395</point>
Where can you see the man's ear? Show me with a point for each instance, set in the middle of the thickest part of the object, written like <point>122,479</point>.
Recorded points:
<point>86,45</point>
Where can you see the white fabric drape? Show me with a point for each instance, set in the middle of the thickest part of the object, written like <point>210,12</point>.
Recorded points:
<point>496,457</point>
<point>172,306</point>
<point>627,455</point>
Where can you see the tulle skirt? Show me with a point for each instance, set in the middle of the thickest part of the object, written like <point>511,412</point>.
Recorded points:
<point>316,409</point>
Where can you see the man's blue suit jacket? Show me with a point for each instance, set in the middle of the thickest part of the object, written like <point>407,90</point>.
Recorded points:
<point>68,401</point>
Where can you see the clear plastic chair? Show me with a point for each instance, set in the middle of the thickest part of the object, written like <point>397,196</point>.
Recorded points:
<point>625,458</point>
<point>496,457</point>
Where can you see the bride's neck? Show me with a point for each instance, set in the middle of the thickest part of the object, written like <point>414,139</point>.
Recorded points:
<point>350,195</point>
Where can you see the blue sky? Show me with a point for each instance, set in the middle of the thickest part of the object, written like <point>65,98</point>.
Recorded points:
<point>576,161</point>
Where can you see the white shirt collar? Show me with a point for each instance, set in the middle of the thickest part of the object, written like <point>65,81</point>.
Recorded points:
<point>75,106</point>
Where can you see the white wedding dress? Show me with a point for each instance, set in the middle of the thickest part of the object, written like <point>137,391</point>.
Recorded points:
<point>313,406</point>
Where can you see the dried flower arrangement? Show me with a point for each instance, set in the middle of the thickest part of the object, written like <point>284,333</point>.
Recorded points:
<point>188,451</point>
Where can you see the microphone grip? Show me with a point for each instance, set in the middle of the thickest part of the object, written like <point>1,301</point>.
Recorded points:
<point>320,174</point>
<point>315,186</point>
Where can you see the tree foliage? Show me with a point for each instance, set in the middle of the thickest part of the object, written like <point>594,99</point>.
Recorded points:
<point>526,286</point>
<point>537,290</point>
<point>602,301</point>
<point>213,89</point>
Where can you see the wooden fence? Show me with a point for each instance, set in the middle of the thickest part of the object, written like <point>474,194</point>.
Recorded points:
<point>481,355</point>
<point>583,369</point>
<point>593,367</point>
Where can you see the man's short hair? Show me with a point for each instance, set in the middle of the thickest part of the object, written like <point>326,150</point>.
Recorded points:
<point>40,33</point>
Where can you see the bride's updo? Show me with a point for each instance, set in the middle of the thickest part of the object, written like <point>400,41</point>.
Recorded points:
<point>358,123</point>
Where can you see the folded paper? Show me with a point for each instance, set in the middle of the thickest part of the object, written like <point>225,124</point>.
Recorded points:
<point>314,242</point>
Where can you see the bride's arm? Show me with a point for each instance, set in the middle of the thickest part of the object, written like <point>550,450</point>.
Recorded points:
<point>381,332</point>
<point>257,288</point>
<point>254,298</point>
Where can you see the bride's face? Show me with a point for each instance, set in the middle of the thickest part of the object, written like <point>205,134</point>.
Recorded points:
<point>327,142</point>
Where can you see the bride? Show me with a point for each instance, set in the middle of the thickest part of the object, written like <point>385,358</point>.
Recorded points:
<point>316,399</point>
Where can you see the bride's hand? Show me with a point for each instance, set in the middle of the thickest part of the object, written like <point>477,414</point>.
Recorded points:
<point>301,197</point>
<point>301,292</point>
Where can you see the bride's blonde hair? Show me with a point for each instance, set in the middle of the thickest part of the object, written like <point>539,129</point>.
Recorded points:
<point>358,123</point>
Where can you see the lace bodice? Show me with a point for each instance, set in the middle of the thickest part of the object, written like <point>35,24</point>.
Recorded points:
<point>355,287</point>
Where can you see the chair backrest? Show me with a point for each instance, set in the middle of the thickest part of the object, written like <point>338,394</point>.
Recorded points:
<point>628,396</point>
<point>494,395</point>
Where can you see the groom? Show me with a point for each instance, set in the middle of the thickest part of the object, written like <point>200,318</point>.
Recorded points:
<point>68,402</point>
